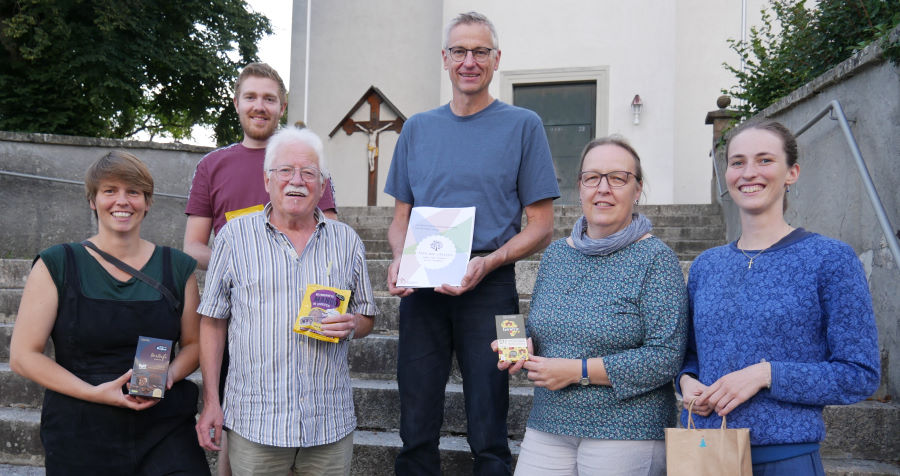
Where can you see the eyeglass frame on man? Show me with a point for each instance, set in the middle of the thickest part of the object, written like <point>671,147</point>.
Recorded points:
<point>281,173</point>
<point>582,180</point>
<point>474,51</point>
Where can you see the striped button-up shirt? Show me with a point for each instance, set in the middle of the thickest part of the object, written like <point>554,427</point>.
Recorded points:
<point>283,388</point>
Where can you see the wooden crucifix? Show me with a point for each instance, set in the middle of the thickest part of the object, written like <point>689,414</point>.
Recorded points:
<point>373,127</point>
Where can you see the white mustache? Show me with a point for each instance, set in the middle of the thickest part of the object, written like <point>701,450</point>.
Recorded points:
<point>301,189</point>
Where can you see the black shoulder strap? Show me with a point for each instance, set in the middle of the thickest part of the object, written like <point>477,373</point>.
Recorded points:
<point>137,274</point>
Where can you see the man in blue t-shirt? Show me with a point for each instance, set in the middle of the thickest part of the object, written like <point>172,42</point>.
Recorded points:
<point>474,151</point>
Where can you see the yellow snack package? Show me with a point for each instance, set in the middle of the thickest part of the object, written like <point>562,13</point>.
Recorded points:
<point>318,303</point>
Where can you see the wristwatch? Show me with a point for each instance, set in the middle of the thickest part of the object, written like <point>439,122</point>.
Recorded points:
<point>585,381</point>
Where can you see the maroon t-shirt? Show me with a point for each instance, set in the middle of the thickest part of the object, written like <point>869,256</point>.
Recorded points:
<point>231,178</point>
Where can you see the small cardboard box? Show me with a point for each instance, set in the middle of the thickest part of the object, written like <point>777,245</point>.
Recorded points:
<point>511,337</point>
<point>151,367</point>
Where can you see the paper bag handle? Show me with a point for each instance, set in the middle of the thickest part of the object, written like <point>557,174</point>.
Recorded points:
<point>691,425</point>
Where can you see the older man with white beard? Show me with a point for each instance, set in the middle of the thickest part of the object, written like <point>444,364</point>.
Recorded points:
<point>288,398</point>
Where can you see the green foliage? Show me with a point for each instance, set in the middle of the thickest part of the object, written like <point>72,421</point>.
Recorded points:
<point>804,44</point>
<point>113,68</point>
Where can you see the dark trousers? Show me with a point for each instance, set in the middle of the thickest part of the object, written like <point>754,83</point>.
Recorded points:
<point>809,464</point>
<point>432,327</point>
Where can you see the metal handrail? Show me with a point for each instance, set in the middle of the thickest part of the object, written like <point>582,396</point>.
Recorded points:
<point>75,182</point>
<point>834,107</point>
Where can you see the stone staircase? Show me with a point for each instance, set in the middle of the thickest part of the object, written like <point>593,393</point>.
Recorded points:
<point>863,439</point>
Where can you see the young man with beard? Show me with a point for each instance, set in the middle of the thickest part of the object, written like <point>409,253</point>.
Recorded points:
<point>226,182</point>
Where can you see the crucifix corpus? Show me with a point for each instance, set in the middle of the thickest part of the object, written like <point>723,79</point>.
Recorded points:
<point>373,128</point>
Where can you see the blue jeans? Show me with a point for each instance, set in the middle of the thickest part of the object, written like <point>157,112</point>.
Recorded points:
<point>432,327</point>
<point>809,464</point>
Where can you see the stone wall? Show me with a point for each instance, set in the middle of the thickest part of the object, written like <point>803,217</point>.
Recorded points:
<point>830,197</point>
<point>37,213</point>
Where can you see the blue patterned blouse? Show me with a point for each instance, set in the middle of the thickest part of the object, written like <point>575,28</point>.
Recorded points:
<point>631,309</point>
<point>804,307</point>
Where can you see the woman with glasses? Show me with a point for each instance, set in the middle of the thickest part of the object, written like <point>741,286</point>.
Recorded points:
<point>607,328</point>
<point>94,312</point>
<point>782,318</point>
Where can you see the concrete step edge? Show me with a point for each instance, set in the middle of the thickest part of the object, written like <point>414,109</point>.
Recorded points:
<point>362,437</point>
<point>859,467</point>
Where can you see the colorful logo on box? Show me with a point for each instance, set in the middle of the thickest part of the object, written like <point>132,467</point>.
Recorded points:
<point>510,327</point>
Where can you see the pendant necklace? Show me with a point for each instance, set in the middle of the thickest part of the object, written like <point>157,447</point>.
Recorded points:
<point>751,258</point>
<point>750,265</point>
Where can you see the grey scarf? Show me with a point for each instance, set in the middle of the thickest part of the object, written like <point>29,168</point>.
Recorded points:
<point>640,225</point>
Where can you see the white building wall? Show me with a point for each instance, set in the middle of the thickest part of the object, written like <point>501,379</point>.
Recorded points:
<point>669,52</point>
<point>703,27</point>
<point>354,44</point>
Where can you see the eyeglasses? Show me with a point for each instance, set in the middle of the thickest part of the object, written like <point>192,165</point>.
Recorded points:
<point>480,54</point>
<point>615,179</point>
<point>307,174</point>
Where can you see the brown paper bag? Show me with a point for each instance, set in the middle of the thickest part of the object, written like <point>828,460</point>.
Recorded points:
<point>708,452</point>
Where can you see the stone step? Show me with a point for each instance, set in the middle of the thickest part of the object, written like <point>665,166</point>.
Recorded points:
<point>666,215</point>
<point>702,220</point>
<point>558,210</point>
<point>374,453</point>
<point>18,470</point>
<point>387,321</point>
<point>669,233</point>
<point>6,330</point>
<point>858,467</point>
<point>20,430</point>
<point>385,211</point>
<point>378,407</point>
<point>375,357</point>
<point>13,272</point>
<point>9,304</point>
<point>526,272</point>
<point>686,248</point>
<point>17,391</point>
<point>380,246</point>
<point>671,236</point>
<point>866,430</point>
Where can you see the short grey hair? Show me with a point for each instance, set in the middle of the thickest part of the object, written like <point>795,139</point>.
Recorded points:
<point>469,18</point>
<point>294,135</point>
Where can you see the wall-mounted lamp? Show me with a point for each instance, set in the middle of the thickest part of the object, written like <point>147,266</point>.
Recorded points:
<point>636,106</point>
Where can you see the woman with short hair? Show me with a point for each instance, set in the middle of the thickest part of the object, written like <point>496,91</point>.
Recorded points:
<point>94,313</point>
